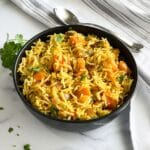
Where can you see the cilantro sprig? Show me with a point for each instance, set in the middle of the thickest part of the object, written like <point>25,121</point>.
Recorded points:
<point>10,50</point>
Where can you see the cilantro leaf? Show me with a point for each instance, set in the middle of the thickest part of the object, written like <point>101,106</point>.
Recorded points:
<point>59,38</point>
<point>121,78</point>
<point>26,147</point>
<point>53,111</point>
<point>1,108</point>
<point>19,39</point>
<point>35,69</point>
<point>8,54</point>
<point>10,50</point>
<point>10,130</point>
<point>83,77</point>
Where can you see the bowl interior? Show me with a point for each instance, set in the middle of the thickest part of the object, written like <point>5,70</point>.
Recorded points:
<point>116,43</point>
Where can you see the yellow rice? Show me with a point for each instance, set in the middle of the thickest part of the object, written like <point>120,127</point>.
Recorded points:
<point>74,77</point>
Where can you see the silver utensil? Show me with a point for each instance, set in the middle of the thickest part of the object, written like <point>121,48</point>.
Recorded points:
<point>67,17</point>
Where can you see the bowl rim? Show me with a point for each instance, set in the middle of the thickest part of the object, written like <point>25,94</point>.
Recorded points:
<point>37,36</point>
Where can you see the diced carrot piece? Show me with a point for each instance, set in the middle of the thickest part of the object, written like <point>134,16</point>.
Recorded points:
<point>80,66</point>
<point>123,66</point>
<point>39,76</point>
<point>111,103</point>
<point>85,91</point>
<point>83,98</point>
<point>73,39</point>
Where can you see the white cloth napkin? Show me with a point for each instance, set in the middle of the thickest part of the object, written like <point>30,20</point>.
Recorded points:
<point>140,117</point>
<point>128,19</point>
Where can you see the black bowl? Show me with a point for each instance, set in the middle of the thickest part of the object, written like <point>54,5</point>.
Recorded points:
<point>78,125</point>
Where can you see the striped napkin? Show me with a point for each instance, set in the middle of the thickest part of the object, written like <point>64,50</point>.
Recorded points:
<point>128,19</point>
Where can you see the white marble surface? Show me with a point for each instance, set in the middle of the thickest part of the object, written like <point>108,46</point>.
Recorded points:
<point>115,135</point>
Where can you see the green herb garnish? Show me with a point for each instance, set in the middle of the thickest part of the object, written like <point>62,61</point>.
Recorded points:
<point>83,77</point>
<point>10,50</point>
<point>36,69</point>
<point>26,147</point>
<point>1,108</point>
<point>10,130</point>
<point>19,39</point>
<point>59,38</point>
<point>121,78</point>
<point>53,111</point>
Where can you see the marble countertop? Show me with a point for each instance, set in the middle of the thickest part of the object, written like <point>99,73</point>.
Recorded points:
<point>114,135</point>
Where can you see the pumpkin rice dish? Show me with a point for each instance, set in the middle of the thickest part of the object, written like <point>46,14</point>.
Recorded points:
<point>72,76</point>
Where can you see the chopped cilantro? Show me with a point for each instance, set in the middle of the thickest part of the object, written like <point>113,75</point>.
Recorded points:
<point>1,108</point>
<point>83,77</point>
<point>26,147</point>
<point>53,111</point>
<point>59,38</point>
<point>10,130</point>
<point>10,50</point>
<point>36,69</point>
<point>121,78</point>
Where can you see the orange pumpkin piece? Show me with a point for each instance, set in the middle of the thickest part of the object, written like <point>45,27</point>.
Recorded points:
<point>85,91</point>
<point>83,98</point>
<point>80,64</point>
<point>73,39</point>
<point>39,76</point>
<point>123,66</point>
<point>111,103</point>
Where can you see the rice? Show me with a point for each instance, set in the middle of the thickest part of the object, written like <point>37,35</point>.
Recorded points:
<point>74,77</point>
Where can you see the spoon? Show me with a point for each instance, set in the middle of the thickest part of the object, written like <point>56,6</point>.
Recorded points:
<point>67,17</point>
